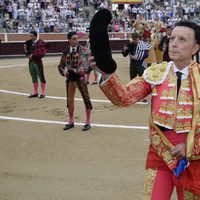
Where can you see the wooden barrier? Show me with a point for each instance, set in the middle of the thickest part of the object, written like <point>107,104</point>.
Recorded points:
<point>16,37</point>
<point>12,44</point>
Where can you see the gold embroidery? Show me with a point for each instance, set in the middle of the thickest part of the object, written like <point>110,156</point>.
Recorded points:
<point>164,93</point>
<point>187,113</point>
<point>134,81</point>
<point>163,106</point>
<point>194,71</point>
<point>180,112</point>
<point>172,78</point>
<point>198,122</point>
<point>187,126</point>
<point>183,97</point>
<point>167,156</point>
<point>197,142</point>
<point>154,92</point>
<point>161,120</point>
<point>168,94</point>
<point>156,72</point>
<point>150,177</point>
<point>183,127</point>
<point>190,196</point>
<point>167,108</point>
<point>170,109</point>
<point>186,84</point>
<point>169,121</point>
<point>162,146</point>
<point>156,139</point>
<point>198,130</point>
<point>123,96</point>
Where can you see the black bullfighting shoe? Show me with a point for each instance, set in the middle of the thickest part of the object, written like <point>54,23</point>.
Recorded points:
<point>86,127</point>
<point>99,41</point>
<point>68,126</point>
<point>42,96</point>
<point>33,95</point>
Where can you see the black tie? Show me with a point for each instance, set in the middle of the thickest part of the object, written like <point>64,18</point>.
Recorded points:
<point>73,50</point>
<point>178,74</point>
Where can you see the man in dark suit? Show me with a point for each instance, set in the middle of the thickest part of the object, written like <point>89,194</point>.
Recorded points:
<point>74,65</point>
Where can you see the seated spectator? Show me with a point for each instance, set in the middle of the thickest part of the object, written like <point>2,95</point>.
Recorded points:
<point>116,28</point>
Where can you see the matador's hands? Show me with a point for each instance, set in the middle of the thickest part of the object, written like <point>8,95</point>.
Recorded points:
<point>95,67</point>
<point>179,150</point>
<point>65,72</point>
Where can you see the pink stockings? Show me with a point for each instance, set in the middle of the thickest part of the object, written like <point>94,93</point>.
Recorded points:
<point>43,86</point>
<point>88,112</point>
<point>35,88</point>
<point>71,115</point>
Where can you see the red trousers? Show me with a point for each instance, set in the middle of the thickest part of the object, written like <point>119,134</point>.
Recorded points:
<point>165,180</point>
<point>164,184</point>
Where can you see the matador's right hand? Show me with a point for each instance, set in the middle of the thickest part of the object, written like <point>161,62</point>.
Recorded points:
<point>65,72</point>
<point>95,67</point>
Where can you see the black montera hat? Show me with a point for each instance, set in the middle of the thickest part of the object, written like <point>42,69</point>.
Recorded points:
<point>99,41</point>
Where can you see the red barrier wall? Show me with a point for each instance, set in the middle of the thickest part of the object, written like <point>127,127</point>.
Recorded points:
<point>57,41</point>
<point>16,37</point>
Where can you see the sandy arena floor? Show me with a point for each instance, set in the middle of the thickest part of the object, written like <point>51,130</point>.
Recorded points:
<point>40,161</point>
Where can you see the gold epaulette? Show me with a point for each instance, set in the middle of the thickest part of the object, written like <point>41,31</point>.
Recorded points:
<point>157,73</point>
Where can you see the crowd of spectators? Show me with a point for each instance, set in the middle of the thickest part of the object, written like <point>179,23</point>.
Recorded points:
<point>168,14</point>
<point>56,16</point>
<point>47,15</point>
